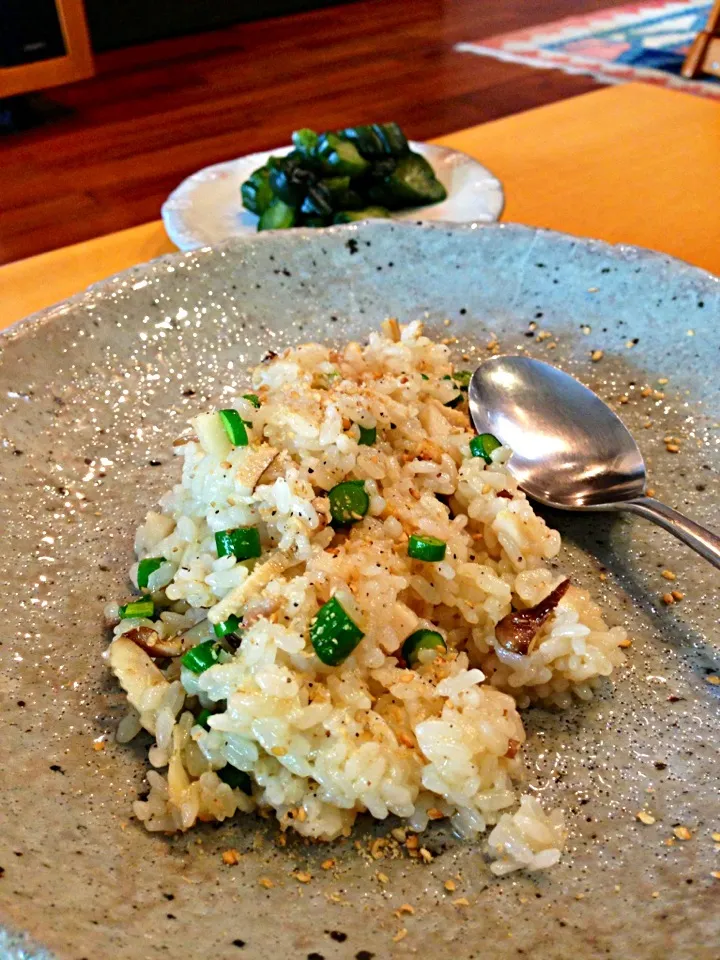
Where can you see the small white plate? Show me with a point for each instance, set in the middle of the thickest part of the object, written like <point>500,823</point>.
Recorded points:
<point>207,207</point>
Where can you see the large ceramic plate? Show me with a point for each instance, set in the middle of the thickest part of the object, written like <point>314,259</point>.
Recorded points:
<point>91,394</point>
<point>207,208</point>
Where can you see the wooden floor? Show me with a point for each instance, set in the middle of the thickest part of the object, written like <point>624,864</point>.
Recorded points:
<point>156,113</point>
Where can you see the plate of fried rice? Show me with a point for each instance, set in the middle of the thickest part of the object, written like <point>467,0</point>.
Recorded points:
<point>291,662</point>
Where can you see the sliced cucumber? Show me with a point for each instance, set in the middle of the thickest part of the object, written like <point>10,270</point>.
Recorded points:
<point>411,184</point>
<point>256,192</point>
<point>278,216</point>
<point>305,141</point>
<point>317,202</point>
<point>339,157</point>
<point>392,138</point>
<point>350,216</point>
<point>366,140</point>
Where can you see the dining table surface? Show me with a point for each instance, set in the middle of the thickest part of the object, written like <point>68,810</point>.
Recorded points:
<point>630,164</point>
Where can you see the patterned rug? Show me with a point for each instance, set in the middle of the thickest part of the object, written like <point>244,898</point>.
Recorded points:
<point>640,42</point>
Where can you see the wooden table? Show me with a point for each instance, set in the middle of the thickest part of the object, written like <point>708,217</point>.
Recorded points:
<point>631,164</point>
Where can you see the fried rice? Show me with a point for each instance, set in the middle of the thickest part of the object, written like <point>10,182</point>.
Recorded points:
<point>268,725</point>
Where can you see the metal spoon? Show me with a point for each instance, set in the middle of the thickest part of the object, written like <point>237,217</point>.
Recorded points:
<point>569,449</point>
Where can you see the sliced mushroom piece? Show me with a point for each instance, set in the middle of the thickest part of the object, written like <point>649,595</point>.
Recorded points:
<point>254,464</point>
<point>139,677</point>
<point>517,630</point>
<point>391,329</point>
<point>258,609</point>
<point>261,576</point>
<point>153,644</point>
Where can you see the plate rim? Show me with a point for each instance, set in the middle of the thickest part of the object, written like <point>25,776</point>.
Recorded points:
<point>620,251</point>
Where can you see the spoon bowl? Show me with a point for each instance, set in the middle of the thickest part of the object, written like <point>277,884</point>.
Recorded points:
<point>569,449</point>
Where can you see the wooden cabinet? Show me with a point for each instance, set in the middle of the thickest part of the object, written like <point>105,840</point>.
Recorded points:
<point>44,43</point>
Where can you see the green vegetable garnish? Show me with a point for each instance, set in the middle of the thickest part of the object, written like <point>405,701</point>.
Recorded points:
<point>455,402</point>
<point>462,378</point>
<point>242,542</point>
<point>334,634</point>
<point>234,427</point>
<point>421,640</point>
<point>138,608</point>
<point>426,548</point>
<point>145,568</point>
<point>200,658</point>
<point>252,398</point>
<point>231,625</point>
<point>277,216</point>
<point>256,192</point>
<point>368,436</point>
<point>348,502</point>
<point>237,779</point>
<point>202,719</point>
<point>483,446</point>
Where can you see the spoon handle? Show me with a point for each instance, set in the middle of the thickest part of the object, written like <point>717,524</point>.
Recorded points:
<point>706,543</point>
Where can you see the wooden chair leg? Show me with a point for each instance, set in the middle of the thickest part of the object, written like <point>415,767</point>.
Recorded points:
<point>693,64</point>
<point>697,56</point>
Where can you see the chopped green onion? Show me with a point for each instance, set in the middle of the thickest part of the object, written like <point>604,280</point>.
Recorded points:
<point>348,502</point>
<point>334,634</point>
<point>426,548</point>
<point>462,378</point>
<point>368,436</point>
<point>242,542</point>
<point>201,720</point>
<point>421,640</point>
<point>138,608</point>
<point>252,398</point>
<point>455,402</point>
<point>231,625</point>
<point>424,376</point>
<point>483,446</point>
<point>234,427</point>
<point>145,568</point>
<point>200,658</point>
<point>237,779</point>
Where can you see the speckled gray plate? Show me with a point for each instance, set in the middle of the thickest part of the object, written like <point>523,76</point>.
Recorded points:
<point>93,391</point>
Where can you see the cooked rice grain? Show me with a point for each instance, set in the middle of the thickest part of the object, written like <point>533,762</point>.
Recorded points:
<point>322,744</point>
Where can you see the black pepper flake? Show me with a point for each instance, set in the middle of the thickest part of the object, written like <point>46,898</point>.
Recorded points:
<point>56,768</point>
<point>352,245</point>
<point>238,943</point>
<point>660,766</point>
<point>364,955</point>
<point>338,936</point>
<point>155,463</point>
